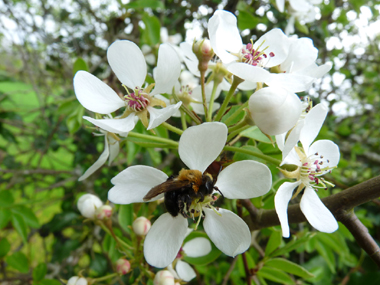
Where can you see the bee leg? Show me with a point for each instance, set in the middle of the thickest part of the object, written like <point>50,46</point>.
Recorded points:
<point>202,197</point>
<point>182,204</point>
<point>217,189</point>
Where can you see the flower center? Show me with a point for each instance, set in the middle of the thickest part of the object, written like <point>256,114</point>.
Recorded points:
<point>311,170</point>
<point>185,95</point>
<point>196,206</point>
<point>137,100</point>
<point>256,56</point>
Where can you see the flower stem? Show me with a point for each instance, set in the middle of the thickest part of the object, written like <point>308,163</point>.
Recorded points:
<point>237,131</point>
<point>183,121</point>
<point>153,138</point>
<point>255,154</point>
<point>186,110</point>
<point>95,280</point>
<point>211,104</point>
<point>172,128</point>
<point>235,82</point>
<point>236,113</point>
<point>204,96</point>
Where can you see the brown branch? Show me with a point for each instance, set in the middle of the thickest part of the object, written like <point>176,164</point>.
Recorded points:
<point>341,206</point>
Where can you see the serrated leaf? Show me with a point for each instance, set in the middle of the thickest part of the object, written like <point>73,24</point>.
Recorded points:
<point>141,4</point>
<point>5,217</point>
<point>273,242</point>
<point>20,226</point>
<point>18,261</point>
<point>39,272</point>
<point>126,216</point>
<point>152,30</point>
<point>79,64</point>
<point>5,246</point>
<point>6,198</point>
<point>290,267</point>
<point>275,275</point>
<point>28,216</point>
<point>255,133</point>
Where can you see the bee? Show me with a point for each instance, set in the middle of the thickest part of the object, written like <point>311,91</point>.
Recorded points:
<point>182,190</point>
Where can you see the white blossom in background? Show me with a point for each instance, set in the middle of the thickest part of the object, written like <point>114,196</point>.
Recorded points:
<point>274,110</point>
<point>128,63</point>
<point>164,277</point>
<point>195,247</point>
<point>88,204</point>
<point>75,280</point>
<point>199,146</point>
<point>313,160</point>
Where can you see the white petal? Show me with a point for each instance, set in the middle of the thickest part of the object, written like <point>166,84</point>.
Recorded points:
<point>197,247</point>
<point>293,82</point>
<point>168,70</point>
<point>224,35</point>
<point>275,110</point>
<point>87,205</point>
<point>228,232</point>
<point>280,5</point>
<point>200,145</point>
<point>328,150</point>
<point>185,271</point>
<point>316,71</point>
<point>280,140</point>
<point>302,53</point>
<point>247,85</point>
<point>281,201</point>
<point>128,63</point>
<point>317,213</point>
<point>101,160</point>
<point>249,72</point>
<point>94,94</point>
<point>313,123</point>
<point>115,125</point>
<point>133,183</point>
<point>198,107</point>
<point>277,42</point>
<point>158,116</point>
<point>293,138</point>
<point>291,158</point>
<point>244,180</point>
<point>164,240</point>
<point>190,58</point>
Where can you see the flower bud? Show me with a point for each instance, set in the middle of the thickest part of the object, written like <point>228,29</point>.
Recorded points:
<point>75,280</point>
<point>163,277</point>
<point>104,212</point>
<point>204,52</point>
<point>122,266</point>
<point>88,204</point>
<point>141,226</point>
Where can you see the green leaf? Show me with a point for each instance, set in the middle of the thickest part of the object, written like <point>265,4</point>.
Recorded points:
<point>79,64</point>
<point>275,275</point>
<point>293,244</point>
<point>49,282</point>
<point>148,143</point>
<point>274,242</point>
<point>152,30</point>
<point>39,272</point>
<point>6,198</point>
<point>5,246</point>
<point>132,150</point>
<point>327,255</point>
<point>99,264</point>
<point>231,112</point>
<point>141,4</point>
<point>290,267</point>
<point>28,216</point>
<point>255,133</point>
<point>244,156</point>
<point>18,261</point>
<point>5,217</point>
<point>126,216</point>
<point>20,226</point>
<point>246,20</point>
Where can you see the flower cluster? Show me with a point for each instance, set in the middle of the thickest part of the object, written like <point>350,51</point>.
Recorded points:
<point>273,69</point>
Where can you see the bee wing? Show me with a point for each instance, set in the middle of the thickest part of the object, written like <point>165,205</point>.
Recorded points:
<point>167,186</point>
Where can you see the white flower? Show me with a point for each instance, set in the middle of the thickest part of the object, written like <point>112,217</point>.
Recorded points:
<point>196,247</point>
<point>128,63</point>
<point>313,161</point>
<point>111,150</point>
<point>199,146</point>
<point>75,280</point>
<point>302,10</point>
<point>309,121</point>
<point>88,204</point>
<point>246,61</point>
<point>274,110</point>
